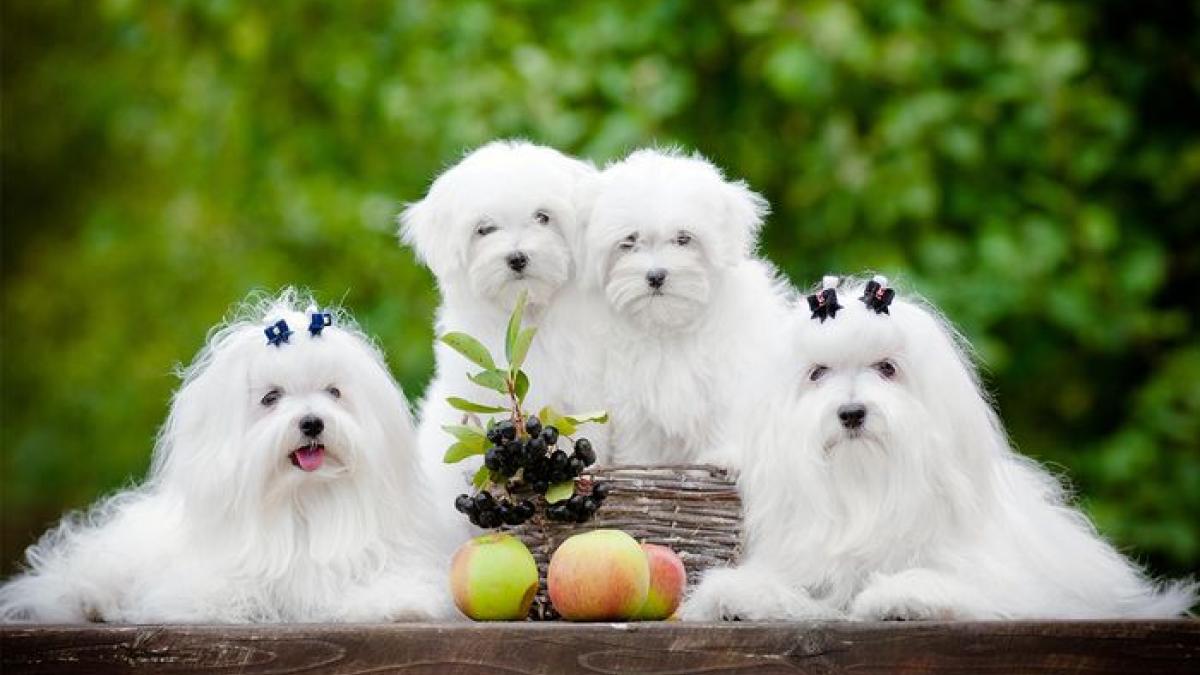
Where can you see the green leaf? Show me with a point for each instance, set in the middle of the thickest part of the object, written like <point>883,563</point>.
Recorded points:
<point>481,478</point>
<point>470,406</point>
<point>469,347</point>
<point>560,491</point>
<point>551,418</point>
<point>466,434</point>
<point>597,416</point>
<point>462,450</point>
<point>496,380</point>
<point>514,327</point>
<point>521,386</point>
<point>521,349</point>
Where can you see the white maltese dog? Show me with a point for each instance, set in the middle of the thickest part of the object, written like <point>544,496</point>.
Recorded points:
<point>499,223</point>
<point>885,488</point>
<point>284,486</point>
<point>693,314</point>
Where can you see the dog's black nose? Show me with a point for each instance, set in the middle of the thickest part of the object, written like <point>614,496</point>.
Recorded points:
<point>517,261</point>
<point>656,277</point>
<point>852,415</point>
<point>311,425</point>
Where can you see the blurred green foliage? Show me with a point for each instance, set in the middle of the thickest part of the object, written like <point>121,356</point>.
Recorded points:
<point>1033,167</point>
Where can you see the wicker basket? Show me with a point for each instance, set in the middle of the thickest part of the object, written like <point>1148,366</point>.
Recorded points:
<point>694,509</point>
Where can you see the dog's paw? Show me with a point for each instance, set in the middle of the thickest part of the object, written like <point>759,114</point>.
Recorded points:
<point>394,601</point>
<point>713,599</point>
<point>871,605</point>
<point>749,595</point>
<point>915,595</point>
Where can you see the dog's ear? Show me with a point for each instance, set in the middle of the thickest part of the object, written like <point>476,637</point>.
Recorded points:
<point>588,257</point>
<point>746,210</point>
<point>202,436</point>
<point>423,230</point>
<point>949,384</point>
<point>581,174</point>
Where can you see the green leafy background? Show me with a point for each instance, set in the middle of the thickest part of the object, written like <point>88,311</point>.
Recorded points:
<point>1031,166</point>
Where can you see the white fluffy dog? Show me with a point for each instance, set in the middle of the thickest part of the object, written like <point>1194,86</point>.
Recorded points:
<point>501,222</point>
<point>885,488</point>
<point>284,486</point>
<point>693,314</point>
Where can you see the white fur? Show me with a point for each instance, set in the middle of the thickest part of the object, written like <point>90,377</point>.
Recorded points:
<point>504,185</point>
<point>682,363</point>
<point>927,514</point>
<point>225,529</point>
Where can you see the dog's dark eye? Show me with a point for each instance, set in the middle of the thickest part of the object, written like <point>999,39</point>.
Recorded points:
<point>885,368</point>
<point>272,397</point>
<point>817,373</point>
<point>683,239</point>
<point>542,218</point>
<point>628,242</point>
<point>485,229</point>
<point>334,391</point>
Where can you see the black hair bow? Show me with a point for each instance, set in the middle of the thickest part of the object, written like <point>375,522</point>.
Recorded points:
<point>877,295</point>
<point>824,304</point>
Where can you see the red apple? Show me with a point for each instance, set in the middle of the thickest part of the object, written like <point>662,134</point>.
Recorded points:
<point>601,575</point>
<point>494,578</point>
<point>667,583</point>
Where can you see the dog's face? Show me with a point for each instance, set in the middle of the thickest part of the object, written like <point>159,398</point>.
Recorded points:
<point>261,421</point>
<point>299,405</point>
<point>879,396</point>
<point>856,382</point>
<point>661,230</point>
<point>658,273</point>
<point>500,222</point>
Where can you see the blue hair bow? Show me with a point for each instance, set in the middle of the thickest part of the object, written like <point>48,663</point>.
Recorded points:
<point>319,321</point>
<point>278,333</point>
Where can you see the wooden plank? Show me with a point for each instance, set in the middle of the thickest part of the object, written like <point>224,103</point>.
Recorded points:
<point>1144,648</point>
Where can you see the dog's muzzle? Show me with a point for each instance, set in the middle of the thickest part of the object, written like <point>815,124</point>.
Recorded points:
<point>852,415</point>
<point>656,277</point>
<point>517,261</point>
<point>312,456</point>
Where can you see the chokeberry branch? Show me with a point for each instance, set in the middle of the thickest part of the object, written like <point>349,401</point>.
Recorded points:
<point>521,456</point>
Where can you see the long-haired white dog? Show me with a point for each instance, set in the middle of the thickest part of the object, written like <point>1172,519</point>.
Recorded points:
<point>500,223</point>
<point>886,488</point>
<point>692,313</point>
<point>284,486</point>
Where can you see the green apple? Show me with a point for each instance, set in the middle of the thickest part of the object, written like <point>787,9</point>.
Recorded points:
<point>668,580</point>
<point>601,575</point>
<point>494,578</point>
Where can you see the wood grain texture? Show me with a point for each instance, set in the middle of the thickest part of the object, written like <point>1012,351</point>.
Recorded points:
<point>1144,648</point>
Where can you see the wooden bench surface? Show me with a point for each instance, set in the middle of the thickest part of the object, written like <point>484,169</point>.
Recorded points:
<point>1138,647</point>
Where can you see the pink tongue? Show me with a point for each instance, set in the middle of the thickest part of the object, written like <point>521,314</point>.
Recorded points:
<point>310,458</point>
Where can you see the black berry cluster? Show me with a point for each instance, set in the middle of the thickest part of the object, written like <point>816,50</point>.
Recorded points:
<point>579,508</point>
<point>536,455</point>
<point>532,462</point>
<point>487,512</point>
